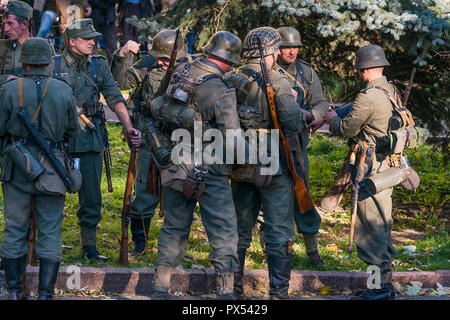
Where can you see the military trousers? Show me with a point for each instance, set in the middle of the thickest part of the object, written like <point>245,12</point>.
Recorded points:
<point>143,204</point>
<point>310,221</point>
<point>218,217</point>
<point>90,196</point>
<point>17,214</point>
<point>373,227</point>
<point>277,201</point>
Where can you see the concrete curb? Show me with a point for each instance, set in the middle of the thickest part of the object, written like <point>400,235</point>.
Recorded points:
<point>137,281</point>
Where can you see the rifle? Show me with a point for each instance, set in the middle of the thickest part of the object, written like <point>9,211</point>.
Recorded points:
<point>302,196</point>
<point>31,258</point>
<point>366,153</point>
<point>45,147</point>
<point>106,151</point>
<point>408,88</point>
<point>123,255</point>
<point>173,58</point>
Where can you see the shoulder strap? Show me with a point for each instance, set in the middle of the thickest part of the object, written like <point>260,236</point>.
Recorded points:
<point>57,68</point>
<point>404,113</point>
<point>94,69</point>
<point>20,91</point>
<point>295,79</point>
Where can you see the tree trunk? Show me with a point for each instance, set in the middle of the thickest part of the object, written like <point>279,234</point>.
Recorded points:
<point>333,196</point>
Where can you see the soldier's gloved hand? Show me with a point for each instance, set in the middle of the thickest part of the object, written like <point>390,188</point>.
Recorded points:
<point>135,136</point>
<point>130,46</point>
<point>315,125</point>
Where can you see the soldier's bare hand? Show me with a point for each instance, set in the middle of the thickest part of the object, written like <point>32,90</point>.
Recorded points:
<point>315,125</point>
<point>11,77</point>
<point>308,114</point>
<point>135,136</point>
<point>130,46</point>
<point>294,93</point>
<point>329,115</point>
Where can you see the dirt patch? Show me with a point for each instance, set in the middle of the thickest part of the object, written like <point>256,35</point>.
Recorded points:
<point>407,235</point>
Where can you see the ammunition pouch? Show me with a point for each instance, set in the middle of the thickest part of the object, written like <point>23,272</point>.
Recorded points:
<point>49,182</point>
<point>174,112</point>
<point>251,173</point>
<point>92,108</point>
<point>249,117</point>
<point>23,159</point>
<point>158,145</point>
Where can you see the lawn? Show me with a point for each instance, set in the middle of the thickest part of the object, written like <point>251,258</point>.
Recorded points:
<point>420,218</point>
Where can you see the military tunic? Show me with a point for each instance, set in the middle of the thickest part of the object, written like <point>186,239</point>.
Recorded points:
<point>368,118</point>
<point>304,80</point>
<point>217,104</point>
<point>9,59</point>
<point>143,203</point>
<point>57,121</point>
<point>278,198</point>
<point>78,72</point>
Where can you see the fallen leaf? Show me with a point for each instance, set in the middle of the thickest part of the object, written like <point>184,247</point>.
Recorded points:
<point>441,290</point>
<point>325,291</point>
<point>198,267</point>
<point>412,290</point>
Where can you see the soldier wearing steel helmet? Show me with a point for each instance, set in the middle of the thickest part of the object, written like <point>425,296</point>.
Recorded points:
<point>16,22</point>
<point>309,95</point>
<point>56,119</point>
<point>277,198</point>
<point>215,100</point>
<point>89,76</point>
<point>145,76</point>
<point>367,120</point>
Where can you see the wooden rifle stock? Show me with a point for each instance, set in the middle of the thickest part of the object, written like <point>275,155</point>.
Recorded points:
<point>302,196</point>
<point>355,194</point>
<point>123,255</point>
<point>173,58</point>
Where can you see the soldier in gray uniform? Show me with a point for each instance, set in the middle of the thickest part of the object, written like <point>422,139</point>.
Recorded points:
<point>277,199</point>
<point>213,98</point>
<point>16,21</point>
<point>147,73</point>
<point>367,120</point>
<point>56,120</point>
<point>309,95</point>
<point>89,76</point>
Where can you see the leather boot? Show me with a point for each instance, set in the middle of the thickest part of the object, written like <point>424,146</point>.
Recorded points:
<point>161,282</point>
<point>279,276</point>
<point>312,248</point>
<point>48,272</point>
<point>386,292</point>
<point>89,248</point>
<point>239,274</point>
<point>224,281</point>
<point>139,231</point>
<point>14,272</point>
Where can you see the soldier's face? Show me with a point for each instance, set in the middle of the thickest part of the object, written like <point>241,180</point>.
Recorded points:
<point>163,62</point>
<point>82,46</point>
<point>14,29</point>
<point>288,54</point>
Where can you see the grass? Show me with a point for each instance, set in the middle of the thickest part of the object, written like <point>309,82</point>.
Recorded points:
<point>426,212</point>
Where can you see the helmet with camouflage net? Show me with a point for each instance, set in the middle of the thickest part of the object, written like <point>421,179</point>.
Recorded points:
<point>36,51</point>
<point>225,45</point>
<point>370,56</point>
<point>270,40</point>
<point>163,42</point>
<point>290,37</point>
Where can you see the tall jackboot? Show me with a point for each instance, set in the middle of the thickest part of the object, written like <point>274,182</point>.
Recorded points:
<point>139,231</point>
<point>279,276</point>
<point>224,289</point>
<point>239,274</point>
<point>14,273</point>
<point>312,248</point>
<point>48,272</point>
